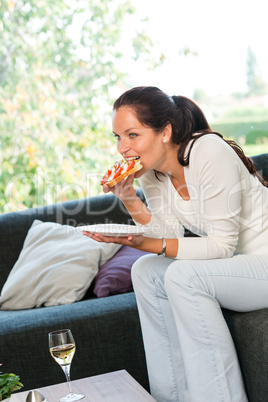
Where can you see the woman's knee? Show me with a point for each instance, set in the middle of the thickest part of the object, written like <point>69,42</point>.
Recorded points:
<point>142,267</point>
<point>180,273</point>
<point>149,268</point>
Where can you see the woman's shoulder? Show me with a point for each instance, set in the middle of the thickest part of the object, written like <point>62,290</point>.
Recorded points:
<point>212,145</point>
<point>211,153</point>
<point>151,177</point>
<point>210,138</point>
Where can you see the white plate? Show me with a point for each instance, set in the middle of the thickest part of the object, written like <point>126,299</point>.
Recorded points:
<point>114,229</point>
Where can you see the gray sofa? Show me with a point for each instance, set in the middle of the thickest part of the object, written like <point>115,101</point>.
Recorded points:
<point>107,330</point>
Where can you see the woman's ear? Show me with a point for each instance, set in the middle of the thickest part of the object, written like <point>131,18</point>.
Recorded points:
<point>167,133</point>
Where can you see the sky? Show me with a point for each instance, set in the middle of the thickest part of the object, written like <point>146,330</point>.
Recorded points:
<point>220,32</point>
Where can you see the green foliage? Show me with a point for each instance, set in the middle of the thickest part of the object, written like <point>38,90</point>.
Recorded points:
<point>255,149</point>
<point>58,74</point>
<point>238,113</point>
<point>8,384</point>
<point>248,126</point>
<point>256,84</point>
<point>200,95</point>
<point>252,136</point>
<point>257,137</point>
<point>240,129</point>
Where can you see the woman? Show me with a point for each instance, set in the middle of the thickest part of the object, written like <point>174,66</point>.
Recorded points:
<point>192,178</point>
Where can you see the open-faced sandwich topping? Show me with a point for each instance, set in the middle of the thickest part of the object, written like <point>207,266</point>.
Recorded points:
<point>120,170</point>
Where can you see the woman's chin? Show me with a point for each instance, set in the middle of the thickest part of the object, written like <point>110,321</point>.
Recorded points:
<point>139,173</point>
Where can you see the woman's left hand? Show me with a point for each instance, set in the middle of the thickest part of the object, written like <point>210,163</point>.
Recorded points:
<point>131,240</point>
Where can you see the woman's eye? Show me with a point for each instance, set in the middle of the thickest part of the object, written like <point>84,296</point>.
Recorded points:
<point>133,135</point>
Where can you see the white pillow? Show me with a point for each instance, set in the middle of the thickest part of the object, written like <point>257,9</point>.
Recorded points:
<point>57,264</point>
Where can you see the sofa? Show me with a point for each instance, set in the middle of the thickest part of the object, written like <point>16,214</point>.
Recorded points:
<point>107,329</point>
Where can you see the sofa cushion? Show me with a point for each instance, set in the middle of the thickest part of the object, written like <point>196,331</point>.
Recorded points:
<point>114,277</point>
<point>57,264</point>
<point>250,334</point>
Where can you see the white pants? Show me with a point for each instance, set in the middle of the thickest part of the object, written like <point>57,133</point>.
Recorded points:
<point>189,350</point>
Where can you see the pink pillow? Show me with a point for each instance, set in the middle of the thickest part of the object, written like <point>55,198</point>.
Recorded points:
<point>114,276</point>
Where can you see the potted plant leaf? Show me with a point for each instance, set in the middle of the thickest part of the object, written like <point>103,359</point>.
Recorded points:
<point>8,383</point>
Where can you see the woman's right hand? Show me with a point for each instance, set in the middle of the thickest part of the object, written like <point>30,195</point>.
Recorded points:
<point>123,190</point>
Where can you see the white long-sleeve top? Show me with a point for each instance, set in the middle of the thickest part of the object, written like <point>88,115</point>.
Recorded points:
<point>228,206</point>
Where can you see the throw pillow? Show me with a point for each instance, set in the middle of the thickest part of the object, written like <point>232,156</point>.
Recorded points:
<point>57,264</point>
<point>114,276</point>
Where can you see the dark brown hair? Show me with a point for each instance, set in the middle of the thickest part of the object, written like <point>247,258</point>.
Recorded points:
<point>155,109</point>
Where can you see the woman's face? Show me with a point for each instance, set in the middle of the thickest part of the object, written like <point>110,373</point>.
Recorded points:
<point>136,140</point>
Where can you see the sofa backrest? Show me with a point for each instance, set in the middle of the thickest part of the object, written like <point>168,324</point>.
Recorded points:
<point>261,164</point>
<point>100,209</point>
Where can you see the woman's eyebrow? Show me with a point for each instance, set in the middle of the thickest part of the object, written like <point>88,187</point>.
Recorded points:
<point>127,130</point>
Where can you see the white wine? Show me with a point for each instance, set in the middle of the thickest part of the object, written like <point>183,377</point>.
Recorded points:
<point>63,354</point>
<point>62,349</point>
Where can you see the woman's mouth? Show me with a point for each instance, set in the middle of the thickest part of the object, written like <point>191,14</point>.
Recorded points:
<point>131,158</point>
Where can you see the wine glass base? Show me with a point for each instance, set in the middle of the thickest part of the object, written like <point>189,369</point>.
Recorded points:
<point>72,397</point>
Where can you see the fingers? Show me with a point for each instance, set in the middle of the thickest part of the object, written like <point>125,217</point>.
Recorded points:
<point>122,189</point>
<point>130,240</point>
<point>93,236</point>
<point>130,180</point>
<point>105,239</point>
<point>106,189</point>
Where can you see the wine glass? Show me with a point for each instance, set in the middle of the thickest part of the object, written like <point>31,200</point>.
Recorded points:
<point>62,349</point>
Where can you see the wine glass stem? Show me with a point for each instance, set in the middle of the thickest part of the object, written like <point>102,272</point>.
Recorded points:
<point>66,370</point>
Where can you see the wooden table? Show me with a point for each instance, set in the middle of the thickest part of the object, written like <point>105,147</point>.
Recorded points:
<point>117,386</point>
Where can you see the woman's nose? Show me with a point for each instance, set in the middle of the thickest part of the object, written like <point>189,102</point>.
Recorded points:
<point>123,146</point>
